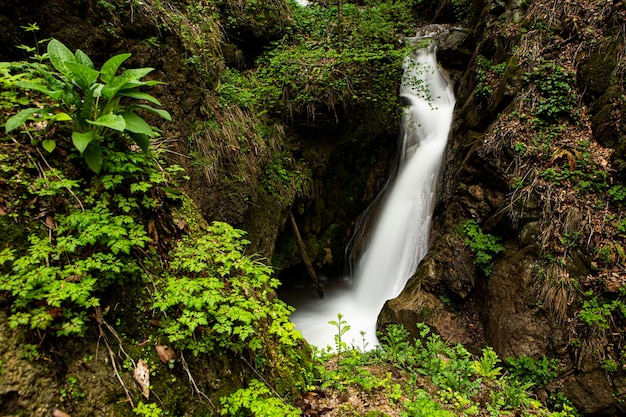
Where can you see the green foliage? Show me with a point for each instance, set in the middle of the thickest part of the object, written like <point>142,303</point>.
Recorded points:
<point>70,390</point>
<point>148,410</point>
<point>316,77</point>
<point>602,314</point>
<point>465,385</point>
<point>618,194</point>
<point>396,346</point>
<point>342,328</point>
<point>484,245</point>
<point>485,73</point>
<point>318,72</point>
<point>58,279</point>
<point>536,372</point>
<point>557,97</point>
<point>263,18</point>
<point>463,9</point>
<point>10,74</point>
<point>256,400</point>
<point>93,110</point>
<point>422,405</point>
<point>284,177</point>
<point>217,299</point>
<point>235,88</point>
<point>487,367</point>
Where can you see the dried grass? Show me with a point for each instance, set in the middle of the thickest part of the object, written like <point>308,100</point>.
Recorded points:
<point>557,291</point>
<point>201,35</point>
<point>233,144</point>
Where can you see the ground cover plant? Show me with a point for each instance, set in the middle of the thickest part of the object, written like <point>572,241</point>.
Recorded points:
<point>99,216</point>
<point>427,376</point>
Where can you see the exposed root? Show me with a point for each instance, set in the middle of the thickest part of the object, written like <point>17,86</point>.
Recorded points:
<point>193,382</point>
<point>102,335</point>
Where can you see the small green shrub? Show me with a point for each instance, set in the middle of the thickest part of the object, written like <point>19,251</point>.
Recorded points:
<point>94,111</point>
<point>618,194</point>
<point>217,300</point>
<point>557,98</point>
<point>484,245</point>
<point>61,275</point>
<point>537,372</point>
<point>256,400</point>
<point>148,410</point>
<point>487,367</point>
<point>601,314</point>
<point>486,71</point>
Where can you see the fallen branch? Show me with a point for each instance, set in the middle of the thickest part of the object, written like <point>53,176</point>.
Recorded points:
<point>305,258</point>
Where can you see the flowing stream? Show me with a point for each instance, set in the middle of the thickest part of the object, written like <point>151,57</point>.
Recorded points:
<point>400,237</point>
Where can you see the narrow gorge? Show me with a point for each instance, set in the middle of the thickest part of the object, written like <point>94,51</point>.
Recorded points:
<point>165,247</point>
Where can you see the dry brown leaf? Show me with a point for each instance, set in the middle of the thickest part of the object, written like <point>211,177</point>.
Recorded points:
<point>58,413</point>
<point>142,376</point>
<point>165,353</point>
<point>51,223</point>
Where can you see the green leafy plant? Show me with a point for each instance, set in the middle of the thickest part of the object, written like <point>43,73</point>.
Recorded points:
<point>486,73</point>
<point>256,400</point>
<point>342,327</point>
<point>397,347</point>
<point>423,405</point>
<point>70,390</point>
<point>95,232</point>
<point>90,101</point>
<point>601,314</point>
<point>557,98</point>
<point>148,410</point>
<point>537,372</point>
<point>484,245</point>
<point>217,299</point>
<point>487,366</point>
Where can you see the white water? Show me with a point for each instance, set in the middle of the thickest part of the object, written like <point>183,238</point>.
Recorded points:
<point>400,237</point>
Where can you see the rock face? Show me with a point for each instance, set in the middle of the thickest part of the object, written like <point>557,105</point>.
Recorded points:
<point>26,386</point>
<point>502,145</point>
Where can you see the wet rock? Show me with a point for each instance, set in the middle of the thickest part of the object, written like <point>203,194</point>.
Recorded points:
<point>454,50</point>
<point>515,325</point>
<point>592,393</point>
<point>416,305</point>
<point>447,269</point>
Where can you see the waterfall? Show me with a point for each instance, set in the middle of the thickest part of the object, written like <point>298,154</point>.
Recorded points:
<point>400,237</point>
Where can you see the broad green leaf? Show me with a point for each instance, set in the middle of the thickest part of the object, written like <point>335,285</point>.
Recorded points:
<point>59,55</point>
<point>110,67</point>
<point>29,85</point>
<point>111,89</point>
<point>93,157</point>
<point>83,58</point>
<point>87,105</point>
<point>136,74</point>
<point>18,120</point>
<point>138,95</point>
<point>124,81</point>
<point>82,75</point>
<point>136,83</point>
<point>136,124</point>
<point>112,121</point>
<point>49,145</point>
<point>82,140</point>
<point>163,113</point>
<point>142,140</point>
<point>61,117</point>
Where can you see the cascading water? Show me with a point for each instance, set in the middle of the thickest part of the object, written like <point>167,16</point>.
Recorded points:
<point>400,237</point>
